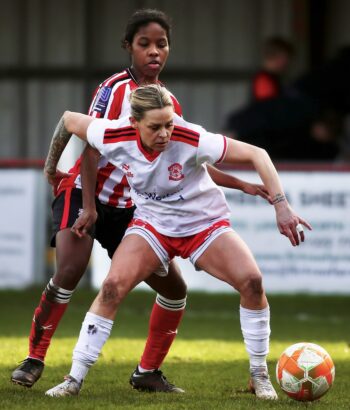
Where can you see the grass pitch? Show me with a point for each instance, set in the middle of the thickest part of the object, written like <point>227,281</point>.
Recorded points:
<point>208,358</point>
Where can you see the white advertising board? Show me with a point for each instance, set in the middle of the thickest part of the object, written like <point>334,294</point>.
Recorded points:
<point>320,265</point>
<point>22,227</point>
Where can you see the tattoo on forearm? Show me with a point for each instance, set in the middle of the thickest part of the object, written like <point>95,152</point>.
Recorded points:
<point>59,141</point>
<point>278,198</point>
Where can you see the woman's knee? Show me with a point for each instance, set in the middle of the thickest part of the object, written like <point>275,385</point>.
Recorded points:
<point>177,291</point>
<point>252,285</point>
<point>112,292</point>
<point>68,275</point>
<point>172,286</point>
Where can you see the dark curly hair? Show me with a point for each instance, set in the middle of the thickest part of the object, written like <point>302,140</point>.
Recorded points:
<point>143,17</point>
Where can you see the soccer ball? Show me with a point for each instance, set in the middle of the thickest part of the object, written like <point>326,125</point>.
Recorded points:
<point>305,371</point>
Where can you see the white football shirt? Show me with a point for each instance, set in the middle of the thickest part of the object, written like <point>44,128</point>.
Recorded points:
<point>172,189</point>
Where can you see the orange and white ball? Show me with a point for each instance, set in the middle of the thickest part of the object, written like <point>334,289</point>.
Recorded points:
<point>305,371</point>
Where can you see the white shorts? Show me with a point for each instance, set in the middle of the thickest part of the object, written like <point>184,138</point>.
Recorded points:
<point>167,247</point>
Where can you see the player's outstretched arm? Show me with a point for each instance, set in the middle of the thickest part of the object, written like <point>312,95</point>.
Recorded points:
<point>229,181</point>
<point>287,219</point>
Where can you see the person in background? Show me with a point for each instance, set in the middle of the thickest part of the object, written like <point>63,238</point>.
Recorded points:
<point>277,56</point>
<point>307,121</point>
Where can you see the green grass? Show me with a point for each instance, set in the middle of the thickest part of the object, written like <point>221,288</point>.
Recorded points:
<point>207,359</point>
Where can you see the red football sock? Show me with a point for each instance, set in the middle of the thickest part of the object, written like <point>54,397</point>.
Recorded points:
<point>45,321</point>
<point>161,334</point>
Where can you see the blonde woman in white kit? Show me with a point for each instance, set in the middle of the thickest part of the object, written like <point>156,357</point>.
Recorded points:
<point>180,212</point>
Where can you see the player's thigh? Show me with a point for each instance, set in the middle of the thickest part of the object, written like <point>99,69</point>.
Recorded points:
<point>229,259</point>
<point>72,258</point>
<point>171,286</point>
<point>133,261</point>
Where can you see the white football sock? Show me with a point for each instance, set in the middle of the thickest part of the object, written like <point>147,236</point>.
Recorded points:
<point>255,325</point>
<point>94,333</point>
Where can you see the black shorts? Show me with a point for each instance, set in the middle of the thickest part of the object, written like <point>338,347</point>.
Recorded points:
<point>109,228</point>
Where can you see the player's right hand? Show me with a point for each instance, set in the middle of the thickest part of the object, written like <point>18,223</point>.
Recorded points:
<point>84,222</point>
<point>257,189</point>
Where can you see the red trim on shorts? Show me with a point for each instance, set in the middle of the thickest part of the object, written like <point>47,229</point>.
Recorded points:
<point>66,209</point>
<point>183,246</point>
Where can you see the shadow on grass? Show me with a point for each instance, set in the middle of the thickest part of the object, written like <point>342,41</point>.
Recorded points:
<point>208,386</point>
<point>208,316</point>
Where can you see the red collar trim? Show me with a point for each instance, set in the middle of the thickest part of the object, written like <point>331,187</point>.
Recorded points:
<point>149,156</point>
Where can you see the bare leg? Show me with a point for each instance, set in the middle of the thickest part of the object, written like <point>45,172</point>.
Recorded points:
<point>171,286</point>
<point>229,259</point>
<point>72,255</point>
<point>133,261</point>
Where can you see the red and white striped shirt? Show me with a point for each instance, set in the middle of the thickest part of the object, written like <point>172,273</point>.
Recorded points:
<point>110,101</point>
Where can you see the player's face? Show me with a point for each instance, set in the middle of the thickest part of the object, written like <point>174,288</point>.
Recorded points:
<point>155,128</point>
<point>149,51</point>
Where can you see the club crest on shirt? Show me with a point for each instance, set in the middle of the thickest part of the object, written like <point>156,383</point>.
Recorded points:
<point>175,172</point>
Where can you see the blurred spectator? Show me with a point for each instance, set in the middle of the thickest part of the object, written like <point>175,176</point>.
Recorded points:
<point>345,141</point>
<point>329,83</point>
<point>277,56</point>
<point>306,122</point>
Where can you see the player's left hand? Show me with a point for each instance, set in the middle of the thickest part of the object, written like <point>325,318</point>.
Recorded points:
<point>257,189</point>
<point>84,222</point>
<point>55,179</point>
<point>290,224</point>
